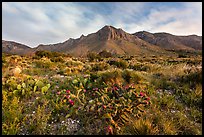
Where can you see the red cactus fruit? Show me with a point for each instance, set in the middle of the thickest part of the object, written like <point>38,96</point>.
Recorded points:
<point>68,91</point>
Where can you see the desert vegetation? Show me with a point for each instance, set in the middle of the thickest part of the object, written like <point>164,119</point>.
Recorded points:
<point>52,93</point>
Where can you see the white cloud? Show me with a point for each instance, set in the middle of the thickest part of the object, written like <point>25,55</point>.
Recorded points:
<point>47,22</point>
<point>35,23</point>
<point>185,20</point>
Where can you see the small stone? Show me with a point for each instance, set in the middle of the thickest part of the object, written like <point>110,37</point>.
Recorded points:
<point>173,111</point>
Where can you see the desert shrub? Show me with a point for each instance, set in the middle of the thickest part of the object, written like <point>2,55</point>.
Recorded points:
<point>182,55</point>
<point>93,77</point>
<point>43,64</point>
<point>61,72</point>
<point>93,56</point>
<point>49,54</point>
<point>56,54</point>
<point>119,63</point>
<point>87,68</point>
<point>139,67</point>
<point>37,123</point>
<point>3,58</point>
<point>193,77</point>
<point>36,71</point>
<point>192,98</point>
<point>43,53</point>
<point>11,115</point>
<point>140,127</point>
<point>172,62</point>
<point>163,83</point>
<point>111,76</point>
<point>57,59</point>
<point>158,75</point>
<point>195,114</point>
<point>18,94</point>
<point>105,54</point>
<point>100,66</point>
<point>130,76</point>
<point>185,127</point>
<point>36,57</point>
<point>71,63</point>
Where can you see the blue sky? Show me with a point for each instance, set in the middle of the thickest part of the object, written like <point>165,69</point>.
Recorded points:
<point>34,23</point>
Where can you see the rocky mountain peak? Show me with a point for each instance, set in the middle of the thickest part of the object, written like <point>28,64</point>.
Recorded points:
<point>82,37</point>
<point>112,33</point>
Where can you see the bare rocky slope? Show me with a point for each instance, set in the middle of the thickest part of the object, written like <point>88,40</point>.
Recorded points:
<point>115,41</point>
<point>169,41</point>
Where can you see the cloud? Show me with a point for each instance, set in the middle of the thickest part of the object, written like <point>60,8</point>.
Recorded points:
<point>47,22</point>
<point>185,20</point>
<point>35,23</point>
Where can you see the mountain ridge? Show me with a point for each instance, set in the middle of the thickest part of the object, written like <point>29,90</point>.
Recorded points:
<point>116,41</point>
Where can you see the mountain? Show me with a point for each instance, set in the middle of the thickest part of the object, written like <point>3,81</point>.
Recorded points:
<point>11,47</point>
<point>115,41</point>
<point>169,41</point>
<point>108,38</point>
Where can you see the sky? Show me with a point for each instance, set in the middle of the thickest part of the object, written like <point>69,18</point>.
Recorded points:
<point>34,23</point>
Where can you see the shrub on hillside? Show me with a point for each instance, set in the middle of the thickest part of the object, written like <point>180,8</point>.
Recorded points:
<point>139,67</point>
<point>57,59</point>
<point>180,55</point>
<point>130,76</point>
<point>111,76</point>
<point>42,64</point>
<point>105,54</point>
<point>93,56</point>
<point>119,63</point>
<point>100,66</point>
<point>49,54</point>
<point>43,53</point>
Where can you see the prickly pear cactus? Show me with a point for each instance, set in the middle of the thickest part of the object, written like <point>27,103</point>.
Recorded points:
<point>111,104</point>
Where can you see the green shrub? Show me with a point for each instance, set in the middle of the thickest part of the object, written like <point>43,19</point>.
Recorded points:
<point>180,55</point>
<point>43,64</point>
<point>11,115</point>
<point>193,78</point>
<point>43,53</point>
<point>61,72</point>
<point>130,76</point>
<point>119,63</point>
<point>37,123</point>
<point>57,59</point>
<point>100,66</point>
<point>49,54</point>
<point>140,127</point>
<point>92,56</point>
<point>139,67</point>
<point>71,63</point>
<point>110,76</point>
<point>105,54</point>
